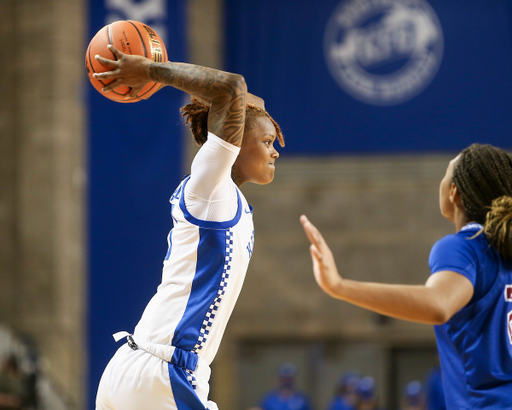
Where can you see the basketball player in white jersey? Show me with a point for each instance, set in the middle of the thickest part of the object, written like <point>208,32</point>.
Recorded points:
<point>165,363</point>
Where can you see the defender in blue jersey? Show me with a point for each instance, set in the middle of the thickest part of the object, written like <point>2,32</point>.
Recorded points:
<point>165,365</point>
<point>468,297</point>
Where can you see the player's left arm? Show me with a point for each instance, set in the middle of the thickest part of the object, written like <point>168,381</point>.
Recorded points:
<point>443,295</point>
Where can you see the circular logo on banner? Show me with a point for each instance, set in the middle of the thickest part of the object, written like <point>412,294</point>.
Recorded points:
<point>383,52</point>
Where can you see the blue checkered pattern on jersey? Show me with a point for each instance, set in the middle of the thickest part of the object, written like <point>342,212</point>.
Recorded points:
<point>214,307</point>
<point>191,378</point>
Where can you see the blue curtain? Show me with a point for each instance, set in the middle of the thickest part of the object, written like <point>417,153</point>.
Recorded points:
<point>363,76</point>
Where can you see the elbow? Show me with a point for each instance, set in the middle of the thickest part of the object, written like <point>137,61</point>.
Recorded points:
<point>438,320</point>
<point>440,316</point>
<point>242,85</point>
<point>238,86</point>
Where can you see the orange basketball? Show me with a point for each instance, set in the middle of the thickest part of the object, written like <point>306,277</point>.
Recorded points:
<point>130,37</point>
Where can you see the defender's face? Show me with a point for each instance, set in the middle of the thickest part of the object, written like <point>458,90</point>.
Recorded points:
<point>445,190</point>
<point>256,161</point>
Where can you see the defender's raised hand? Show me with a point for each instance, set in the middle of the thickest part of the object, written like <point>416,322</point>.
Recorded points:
<point>324,266</point>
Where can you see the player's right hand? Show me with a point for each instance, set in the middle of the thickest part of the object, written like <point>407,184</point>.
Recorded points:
<point>128,70</point>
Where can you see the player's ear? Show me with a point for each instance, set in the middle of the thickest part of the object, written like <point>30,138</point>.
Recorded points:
<point>455,196</point>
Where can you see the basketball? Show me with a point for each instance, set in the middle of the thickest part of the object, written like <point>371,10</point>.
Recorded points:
<point>130,37</point>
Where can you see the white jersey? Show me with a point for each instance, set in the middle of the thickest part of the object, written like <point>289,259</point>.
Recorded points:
<point>203,273</point>
<point>165,364</point>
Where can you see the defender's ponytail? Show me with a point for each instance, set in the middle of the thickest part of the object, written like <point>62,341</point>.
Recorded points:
<point>498,226</point>
<point>483,177</point>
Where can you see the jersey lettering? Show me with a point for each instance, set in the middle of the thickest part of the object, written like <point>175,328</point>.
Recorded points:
<point>177,193</point>
<point>508,293</point>
<point>509,326</point>
<point>250,245</point>
<point>508,298</point>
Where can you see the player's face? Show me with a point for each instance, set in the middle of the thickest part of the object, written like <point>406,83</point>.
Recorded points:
<point>256,161</point>
<point>445,191</point>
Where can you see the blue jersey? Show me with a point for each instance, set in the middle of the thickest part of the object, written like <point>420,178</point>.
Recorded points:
<point>475,345</point>
<point>278,401</point>
<point>340,403</point>
<point>435,391</point>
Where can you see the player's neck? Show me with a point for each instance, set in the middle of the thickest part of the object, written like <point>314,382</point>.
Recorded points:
<point>236,178</point>
<point>460,220</point>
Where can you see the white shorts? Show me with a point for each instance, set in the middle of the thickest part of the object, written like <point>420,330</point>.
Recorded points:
<point>138,380</point>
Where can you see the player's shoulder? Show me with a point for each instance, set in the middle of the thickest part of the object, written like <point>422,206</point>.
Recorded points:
<point>452,241</point>
<point>468,238</point>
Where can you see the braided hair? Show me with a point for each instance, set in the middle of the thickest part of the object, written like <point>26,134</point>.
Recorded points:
<point>196,116</point>
<point>483,177</point>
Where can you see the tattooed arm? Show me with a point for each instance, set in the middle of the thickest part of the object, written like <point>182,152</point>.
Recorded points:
<point>249,99</point>
<point>226,91</point>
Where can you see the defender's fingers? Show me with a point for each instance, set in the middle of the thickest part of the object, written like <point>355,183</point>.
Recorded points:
<point>308,232</point>
<point>312,232</point>
<point>317,268</point>
<point>316,263</point>
<point>307,226</point>
<point>316,253</point>
<point>106,61</point>
<point>307,223</point>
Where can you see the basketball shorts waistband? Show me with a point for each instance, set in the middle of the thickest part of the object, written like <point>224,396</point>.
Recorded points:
<point>171,354</point>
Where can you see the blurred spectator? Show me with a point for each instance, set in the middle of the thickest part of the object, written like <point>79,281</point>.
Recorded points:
<point>23,384</point>
<point>31,375</point>
<point>414,397</point>
<point>286,396</point>
<point>435,391</point>
<point>12,385</point>
<point>346,397</point>
<point>367,394</point>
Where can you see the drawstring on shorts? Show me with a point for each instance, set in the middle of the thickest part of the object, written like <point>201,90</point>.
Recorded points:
<point>174,355</point>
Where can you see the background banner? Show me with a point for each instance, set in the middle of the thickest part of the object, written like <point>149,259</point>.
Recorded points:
<point>135,153</point>
<point>377,76</point>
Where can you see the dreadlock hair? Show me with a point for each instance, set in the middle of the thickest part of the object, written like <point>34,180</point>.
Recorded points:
<point>483,177</point>
<point>196,117</point>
